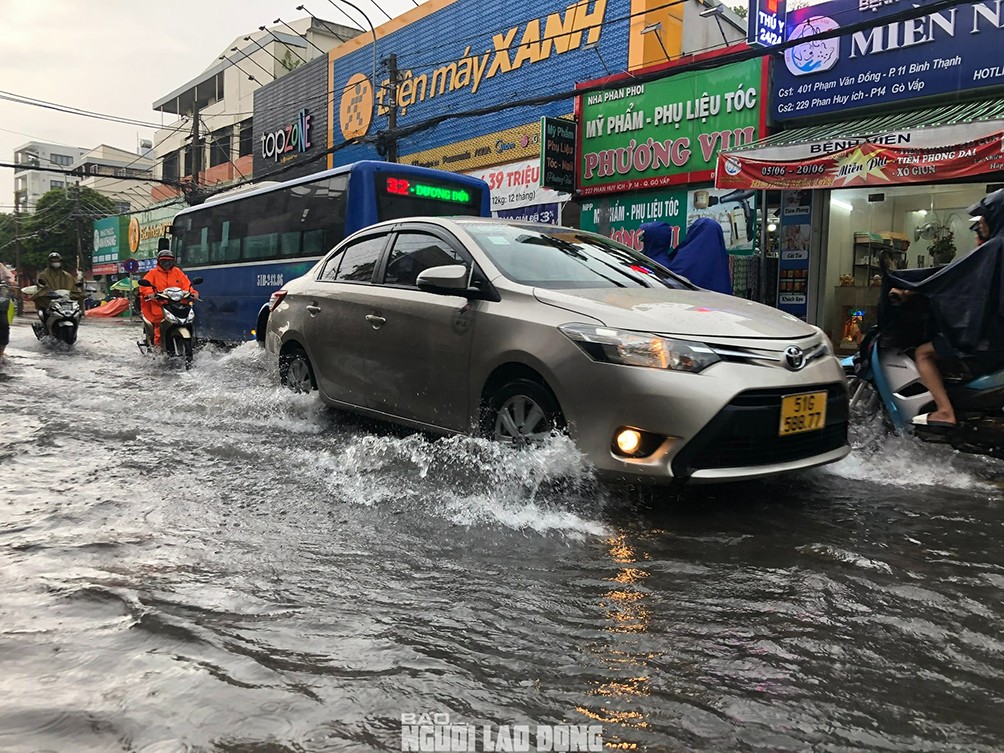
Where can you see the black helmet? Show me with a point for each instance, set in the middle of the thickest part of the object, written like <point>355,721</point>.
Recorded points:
<point>54,257</point>
<point>991,209</point>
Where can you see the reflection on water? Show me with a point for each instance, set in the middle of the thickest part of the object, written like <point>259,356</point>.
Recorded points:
<point>200,561</point>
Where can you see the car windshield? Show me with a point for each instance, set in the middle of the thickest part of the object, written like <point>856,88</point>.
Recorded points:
<point>559,257</point>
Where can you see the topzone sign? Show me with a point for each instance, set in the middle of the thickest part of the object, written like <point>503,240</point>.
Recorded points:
<point>294,137</point>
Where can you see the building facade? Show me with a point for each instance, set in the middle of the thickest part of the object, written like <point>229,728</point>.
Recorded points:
<point>213,134</point>
<point>884,136</point>
<point>31,183</point>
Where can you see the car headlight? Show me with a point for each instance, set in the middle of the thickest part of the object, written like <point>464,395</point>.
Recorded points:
<point>639,348</point>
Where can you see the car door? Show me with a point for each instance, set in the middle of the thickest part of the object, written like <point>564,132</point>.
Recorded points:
<point>419,348</point>
<point>336,329</point>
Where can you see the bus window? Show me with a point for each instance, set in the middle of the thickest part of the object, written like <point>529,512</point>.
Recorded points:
<point>321,211</point>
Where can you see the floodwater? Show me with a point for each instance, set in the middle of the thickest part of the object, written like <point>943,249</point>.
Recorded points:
<point>202,561</point>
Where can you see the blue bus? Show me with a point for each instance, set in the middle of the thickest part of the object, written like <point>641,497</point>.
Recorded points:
<point>247,245</point>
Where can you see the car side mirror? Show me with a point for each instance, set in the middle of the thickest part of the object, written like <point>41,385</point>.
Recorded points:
<point>449,277</point>
<point>196,281</point>
<point>145,284</point>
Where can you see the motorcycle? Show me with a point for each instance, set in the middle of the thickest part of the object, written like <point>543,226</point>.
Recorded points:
<point>886,394</point>
<point>61,319</point>
<point>177,328</point>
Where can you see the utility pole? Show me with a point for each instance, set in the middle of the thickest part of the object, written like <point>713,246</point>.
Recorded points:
<point>196,145</point>
<point>76,214</point>
<point>17,249</point>
<point>392,114</point>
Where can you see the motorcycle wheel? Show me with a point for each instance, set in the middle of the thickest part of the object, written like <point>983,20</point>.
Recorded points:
<point>189,353</point>
<point>868,423</point>
<point>67,335</point>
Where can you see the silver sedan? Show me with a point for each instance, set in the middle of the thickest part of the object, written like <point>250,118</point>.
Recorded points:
<point>517,330</point>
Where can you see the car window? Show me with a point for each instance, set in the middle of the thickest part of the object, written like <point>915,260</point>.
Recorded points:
<point>414,252</point>
<point>355,262</point>
<point>559,258</point>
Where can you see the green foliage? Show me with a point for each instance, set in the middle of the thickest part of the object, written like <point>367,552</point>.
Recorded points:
<point>60,215</point>
<point>288,63</point>
<point>740,10</point>
<point>942,249</point>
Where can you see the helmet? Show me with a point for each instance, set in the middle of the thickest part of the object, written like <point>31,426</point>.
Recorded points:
<point>991,209</point>
<point>165,254</point>
<point>54,257</point>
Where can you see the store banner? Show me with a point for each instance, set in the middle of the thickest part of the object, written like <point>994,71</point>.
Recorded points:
<point>793,263</point>
<point>516,185</point>
<point>621,217</point>
<point>925,155</point>
<point>667,132</point>
<point>950,51</point>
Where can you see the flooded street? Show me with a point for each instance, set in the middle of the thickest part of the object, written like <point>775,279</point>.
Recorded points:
<point>203,561</point>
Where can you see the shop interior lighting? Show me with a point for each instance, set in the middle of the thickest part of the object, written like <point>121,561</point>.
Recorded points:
<point>922,212</point>
<point>842,204</point>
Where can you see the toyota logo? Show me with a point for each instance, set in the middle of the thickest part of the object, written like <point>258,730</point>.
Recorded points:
<point>794,357</point>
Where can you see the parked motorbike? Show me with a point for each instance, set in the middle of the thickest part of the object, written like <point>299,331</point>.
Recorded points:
<point>886,394</point>
<point>61,319</point>
<point>177,329</point>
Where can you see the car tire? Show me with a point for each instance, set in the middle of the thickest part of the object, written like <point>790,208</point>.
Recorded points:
<point>295,371</point>
<point>522,411</point>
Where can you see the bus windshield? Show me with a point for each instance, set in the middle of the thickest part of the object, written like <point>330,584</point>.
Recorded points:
<point>247,245</point>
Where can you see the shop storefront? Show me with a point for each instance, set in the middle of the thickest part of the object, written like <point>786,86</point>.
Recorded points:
<point>889,187</point>
<point>648,152</point>
<point>460,66</point>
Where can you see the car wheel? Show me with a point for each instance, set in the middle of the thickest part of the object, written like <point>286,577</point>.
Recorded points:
<point>522,411</point>
<point>296,372</point>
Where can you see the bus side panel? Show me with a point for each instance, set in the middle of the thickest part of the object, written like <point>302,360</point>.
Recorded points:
<point>231,297</point>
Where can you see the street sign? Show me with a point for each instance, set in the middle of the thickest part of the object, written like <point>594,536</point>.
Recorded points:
<point>130,265</point>
<point>557,154</point>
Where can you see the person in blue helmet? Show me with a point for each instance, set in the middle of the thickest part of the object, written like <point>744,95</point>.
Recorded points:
<point>702,258</point>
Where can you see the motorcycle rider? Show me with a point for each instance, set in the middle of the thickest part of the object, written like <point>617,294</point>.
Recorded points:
<point>53,278</point>
<point>989,226</point>
<point>9,280</point>
<point>164,275</point>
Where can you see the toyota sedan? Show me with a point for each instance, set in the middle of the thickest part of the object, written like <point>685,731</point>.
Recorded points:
<point>516,330</point>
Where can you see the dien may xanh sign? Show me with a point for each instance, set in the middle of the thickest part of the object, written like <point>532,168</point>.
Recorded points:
<point>670,131</point>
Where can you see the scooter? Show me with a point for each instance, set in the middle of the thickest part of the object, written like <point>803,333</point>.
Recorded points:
<point>886,393</point>
<point>177,328</point>
<point>61,319</point>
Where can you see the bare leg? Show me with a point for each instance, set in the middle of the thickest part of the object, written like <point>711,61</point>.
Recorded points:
<point>927,366</point>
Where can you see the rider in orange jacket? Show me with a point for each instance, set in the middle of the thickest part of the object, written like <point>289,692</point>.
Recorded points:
<point>164,275</point>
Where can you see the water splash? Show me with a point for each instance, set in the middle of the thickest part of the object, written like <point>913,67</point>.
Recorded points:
<point>473,481</point>
<point>904,461</point>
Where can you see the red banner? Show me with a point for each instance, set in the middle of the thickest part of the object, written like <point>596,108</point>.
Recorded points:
<point>868,161</point>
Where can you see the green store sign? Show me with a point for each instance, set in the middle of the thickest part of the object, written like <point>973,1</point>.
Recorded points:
<point>668,132</point>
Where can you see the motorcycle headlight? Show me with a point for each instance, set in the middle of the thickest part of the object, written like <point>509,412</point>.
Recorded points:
<point>610,345</point>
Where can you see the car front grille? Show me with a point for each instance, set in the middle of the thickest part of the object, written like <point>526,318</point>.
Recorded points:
<point>744,433</point>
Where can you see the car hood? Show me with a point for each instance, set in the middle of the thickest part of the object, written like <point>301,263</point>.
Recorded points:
<point>687,313</point>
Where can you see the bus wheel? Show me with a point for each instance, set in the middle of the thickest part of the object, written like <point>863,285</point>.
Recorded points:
<point>296,372</point>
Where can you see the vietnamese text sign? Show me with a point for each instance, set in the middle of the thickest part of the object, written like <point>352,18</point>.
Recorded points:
<point>669,131</point>
<point>766,22</point>
<point>516,185</point>
<point>952,50</point>
<point>557,154</point>
<point>925,155</point>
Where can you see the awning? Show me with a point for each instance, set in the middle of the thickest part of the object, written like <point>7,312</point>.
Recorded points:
<point>923,146</point>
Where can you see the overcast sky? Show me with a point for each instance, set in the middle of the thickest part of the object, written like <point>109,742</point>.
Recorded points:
<point>116,57</point>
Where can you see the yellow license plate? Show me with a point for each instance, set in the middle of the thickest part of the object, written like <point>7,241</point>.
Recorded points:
<point>800,413</point>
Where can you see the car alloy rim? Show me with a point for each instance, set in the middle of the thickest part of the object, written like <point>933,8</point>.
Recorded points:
<point>520,420</point>
<point>298,376</point>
